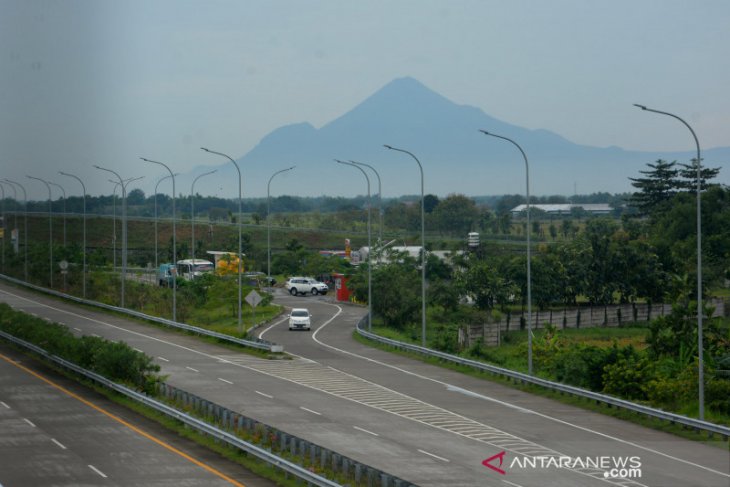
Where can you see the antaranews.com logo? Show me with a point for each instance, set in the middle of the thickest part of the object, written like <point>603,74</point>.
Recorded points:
<point>613,467</point>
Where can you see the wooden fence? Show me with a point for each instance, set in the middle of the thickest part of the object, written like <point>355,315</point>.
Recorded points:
<point>582,317</point>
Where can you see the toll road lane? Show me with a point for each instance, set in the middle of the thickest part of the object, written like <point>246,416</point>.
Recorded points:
<point>55,432</point>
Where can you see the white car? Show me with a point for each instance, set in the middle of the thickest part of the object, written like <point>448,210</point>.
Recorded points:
<point>304,285</point>
<point>300,319</point>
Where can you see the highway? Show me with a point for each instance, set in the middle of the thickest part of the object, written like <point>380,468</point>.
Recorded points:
<point>428,425</point>
<point>54,431</point>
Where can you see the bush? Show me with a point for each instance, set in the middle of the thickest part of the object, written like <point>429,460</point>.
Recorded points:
<point>628,377</point>
<point>116,361</point>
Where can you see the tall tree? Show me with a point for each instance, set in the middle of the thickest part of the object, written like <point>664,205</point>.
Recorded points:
<point>657,188</point>
<point>688,173</point>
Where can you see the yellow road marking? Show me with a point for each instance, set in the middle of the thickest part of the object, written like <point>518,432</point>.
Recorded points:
<point>128,425</point>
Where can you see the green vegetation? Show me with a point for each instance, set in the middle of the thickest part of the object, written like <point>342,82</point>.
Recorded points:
<point>116,361</point>
<point>209,301</point>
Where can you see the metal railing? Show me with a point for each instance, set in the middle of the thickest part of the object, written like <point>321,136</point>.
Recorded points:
<point>200,426</point>
<point>697,424</point>
<point>258,344</point>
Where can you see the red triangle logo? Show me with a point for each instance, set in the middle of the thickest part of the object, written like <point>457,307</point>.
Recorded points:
<point>487,463</point>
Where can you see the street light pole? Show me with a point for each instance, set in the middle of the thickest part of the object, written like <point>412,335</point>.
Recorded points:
<point>64,208</point>
<point>83,187</point>
<point>123,184</point>
<point>156,186</point>
<point>25,222</point>
<point>423,244</point>
<point>268,224</point>
<point>174,238</point>
<point>529,230</point>
<point>192,215</point>
<point>370,247</point>
<point>2,188</point>
<point>700,311</point>
<point>50,229</point>
<point>64,226</point>
<point>238,223</point>
<point>380,200</point>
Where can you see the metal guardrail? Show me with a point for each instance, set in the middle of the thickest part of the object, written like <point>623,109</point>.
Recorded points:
<point>259,344</point>
<point>554,386</point>
<point>201,426</point>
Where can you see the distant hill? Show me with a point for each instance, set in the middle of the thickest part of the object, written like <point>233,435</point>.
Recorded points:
<point>456,158</point>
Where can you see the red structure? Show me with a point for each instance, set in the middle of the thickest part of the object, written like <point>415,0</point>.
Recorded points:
<point>341,291</point>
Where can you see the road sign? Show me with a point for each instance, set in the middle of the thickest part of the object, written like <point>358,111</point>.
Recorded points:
<point>253,298</point>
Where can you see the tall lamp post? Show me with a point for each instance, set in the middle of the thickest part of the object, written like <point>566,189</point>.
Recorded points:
<point>174,238</point>
<point>192,215</point>
<point>156,186</point>
<point>700,344</point>
<point>268,224</point>
<point>114,219</point>
<point>529,230</point>
<point>380,200</point>
<point>83,187</point>
<point>2,189</point>
<point>50,229</point>
<point>423,244</point>
<point>370,248</point>
<point>63,191</point>
<point>25,222</point>
<point>123,183</point>
<point>238,223</point>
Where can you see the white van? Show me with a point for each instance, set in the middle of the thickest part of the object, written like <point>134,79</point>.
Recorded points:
<point>189,269</point>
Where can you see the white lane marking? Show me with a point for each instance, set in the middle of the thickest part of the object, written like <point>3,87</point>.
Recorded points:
<point>506,404</point>
<point>163,359</point>
<point>263,394</point>
<point>140,351</point>
<point>365,431</point>
<point>511,483</point>
<point>59,444</point>
<point>78,329</point>
<point>435,456</point>
<point>310,411</point>
<point>29,422</point>
<point>97,470</point>
<point>190,368</point>
<point>271,326</point>
<point>4,405</point>
<point>226,381</point>
<point>95,335</point>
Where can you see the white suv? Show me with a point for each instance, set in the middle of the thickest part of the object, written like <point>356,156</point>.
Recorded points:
<point>304,285</point>
<point>300,319</point>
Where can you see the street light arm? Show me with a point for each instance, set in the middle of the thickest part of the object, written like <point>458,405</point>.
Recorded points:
<point>697,142</point>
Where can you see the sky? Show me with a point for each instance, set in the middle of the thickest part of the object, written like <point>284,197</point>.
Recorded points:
<point>85,82</point>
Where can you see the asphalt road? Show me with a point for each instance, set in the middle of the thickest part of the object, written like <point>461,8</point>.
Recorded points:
<point>54,431</point>
<point>423,423</point>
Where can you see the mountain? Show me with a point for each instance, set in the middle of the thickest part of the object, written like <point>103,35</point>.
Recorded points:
<point>456,158</point>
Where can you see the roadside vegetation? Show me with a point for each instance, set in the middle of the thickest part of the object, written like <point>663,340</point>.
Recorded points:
<point>116,361</point>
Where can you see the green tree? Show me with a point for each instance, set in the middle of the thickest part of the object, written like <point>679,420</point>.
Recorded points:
<point>482,282</point>
<point>656,189</point>
<point>688,175</point>
<point>395,291</point>
<point>456,214</point>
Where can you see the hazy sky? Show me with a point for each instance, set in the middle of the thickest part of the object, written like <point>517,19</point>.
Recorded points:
<point>103,82</point>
